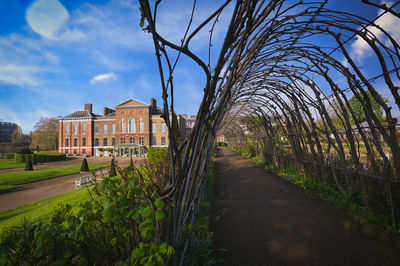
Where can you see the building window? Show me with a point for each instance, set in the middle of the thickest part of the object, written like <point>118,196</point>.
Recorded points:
<point>96,142</point>
<point>83,151</point>
<point>162,140</point>
<point>96,129</point>
<point>113,128</point>
<point>141,141</point>
<point>141,125</point>
<point>75,151</point>
<point>66,142</point>
<point>75,129</point>
<point>113,141</point>
<point>132,126</point>
<point>122,126</point>
<point>105,129</point>
<point>66,129</point>
<point>153,141</point>
<point>163,127</point>
<point>84,128</point>
<point>105,142</point>
<point>122,140</point>
<point>66,151</point>
<point>132,140</point>
<point>154,127</point>
<point>84,142</point>
<point>75,142</point>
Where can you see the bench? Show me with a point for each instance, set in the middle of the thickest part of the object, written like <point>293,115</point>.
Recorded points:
<point>83,181</point>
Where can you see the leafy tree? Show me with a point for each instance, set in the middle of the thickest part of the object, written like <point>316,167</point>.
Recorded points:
<point>28,166</point>
<point>112,171</point>
<point>45,135</point>
<point>84,166</point>
<point>358,109</point>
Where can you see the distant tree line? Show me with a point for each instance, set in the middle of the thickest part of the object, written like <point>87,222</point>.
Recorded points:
<point>43,137</point>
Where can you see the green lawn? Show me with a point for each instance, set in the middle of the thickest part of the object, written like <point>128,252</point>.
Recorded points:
<point>40,210</point>
<point>5,164</point>
<point>13,179</point>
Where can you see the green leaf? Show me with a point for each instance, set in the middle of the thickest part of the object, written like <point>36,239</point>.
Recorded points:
<point>160,215</point>
<point>113,241</point>
<point>147,212</point>
<point>159,203</point>
<point>141,24</point>
<point>163,247</point>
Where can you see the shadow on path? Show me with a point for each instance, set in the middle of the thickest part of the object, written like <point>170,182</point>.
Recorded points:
<point>262,219</point>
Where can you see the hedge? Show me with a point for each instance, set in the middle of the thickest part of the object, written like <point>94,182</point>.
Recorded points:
<point>42,157</point>
<point>50,156</point>
<point>9,156</point>
<point>21,158</point>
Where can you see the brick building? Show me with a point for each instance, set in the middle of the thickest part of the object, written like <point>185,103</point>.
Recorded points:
<point>128,130</point>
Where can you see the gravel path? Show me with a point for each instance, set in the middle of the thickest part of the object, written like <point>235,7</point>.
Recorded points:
<point>262,219</point>
<point>39,190</point>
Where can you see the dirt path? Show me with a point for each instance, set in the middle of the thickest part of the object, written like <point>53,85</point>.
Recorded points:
<point>39,190</point>
<point>262,219</point>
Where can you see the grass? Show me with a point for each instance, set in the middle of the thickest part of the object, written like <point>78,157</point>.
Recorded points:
<point>41,210</point>
<point>6,164</point>
<point>13,179</point>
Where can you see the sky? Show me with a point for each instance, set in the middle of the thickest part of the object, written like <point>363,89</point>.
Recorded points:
<point>57,55</point>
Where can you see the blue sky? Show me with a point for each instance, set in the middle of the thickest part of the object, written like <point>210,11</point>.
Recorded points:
<point>52,63</point>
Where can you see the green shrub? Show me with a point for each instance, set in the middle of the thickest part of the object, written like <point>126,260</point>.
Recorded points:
<point>34,159</point>
<point>9,156</point>
<point>156,155</point>
<point>22,158</point>
<point>84,166</point>
<point>122,225</point>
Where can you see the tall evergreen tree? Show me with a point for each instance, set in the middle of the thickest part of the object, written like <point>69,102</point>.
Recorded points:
<point>84,166</point>
<point>28,165</point>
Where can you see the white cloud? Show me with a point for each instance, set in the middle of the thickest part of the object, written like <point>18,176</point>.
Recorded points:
<point>388,22</point>
<point>103,77</point>
<point>46,17</point>
<point>20,75</point>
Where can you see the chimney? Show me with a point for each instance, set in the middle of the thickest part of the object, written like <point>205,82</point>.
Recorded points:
<point>88,107</point>
<point>153,103</point>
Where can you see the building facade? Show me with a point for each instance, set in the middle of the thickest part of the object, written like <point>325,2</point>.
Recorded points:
<point>128,130</point>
